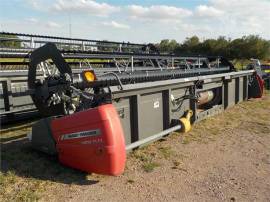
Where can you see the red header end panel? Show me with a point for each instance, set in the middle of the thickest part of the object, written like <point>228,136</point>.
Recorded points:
<point>261,85</point>
<point>91,140</point>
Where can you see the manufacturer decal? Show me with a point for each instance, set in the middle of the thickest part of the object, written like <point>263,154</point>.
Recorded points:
<point>156,104</point>
<point>87,133</point>
<point>94,141</point>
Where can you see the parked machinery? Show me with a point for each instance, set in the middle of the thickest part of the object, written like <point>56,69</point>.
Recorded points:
<point>266,74</point>
<point>15,101</point>
<point>93,115</point>
<point>93,119</point>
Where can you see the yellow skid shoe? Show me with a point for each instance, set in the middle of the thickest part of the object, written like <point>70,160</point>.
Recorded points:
<point>185,122</point>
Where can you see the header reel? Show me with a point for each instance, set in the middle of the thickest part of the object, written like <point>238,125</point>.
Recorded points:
<point>53,93</point>
<point>56,93</point>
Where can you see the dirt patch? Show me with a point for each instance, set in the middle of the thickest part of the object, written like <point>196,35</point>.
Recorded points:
<point>226,157</point>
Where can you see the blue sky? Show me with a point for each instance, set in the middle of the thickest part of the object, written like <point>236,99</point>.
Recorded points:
<point>137,21</point>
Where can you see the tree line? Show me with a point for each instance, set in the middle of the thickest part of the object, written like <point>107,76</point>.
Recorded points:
<point>252,46</point>
<point>247,47</point>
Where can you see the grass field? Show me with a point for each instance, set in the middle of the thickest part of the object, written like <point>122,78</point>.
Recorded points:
<point>27,175</point>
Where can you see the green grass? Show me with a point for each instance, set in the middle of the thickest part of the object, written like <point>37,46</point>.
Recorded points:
<point>253,112</point>
<point>26,174</point>
<point>166,152</point>
<point>19,191</point>
<point>150,166</point>
<point>141,155</point>
<point>146,159</point>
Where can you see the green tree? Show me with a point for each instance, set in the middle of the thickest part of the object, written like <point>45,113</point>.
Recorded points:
<point>189,46</point>
<point>247,47</point>
<point>168,46</point>
<point>192,41</point>
<point>8,42</point>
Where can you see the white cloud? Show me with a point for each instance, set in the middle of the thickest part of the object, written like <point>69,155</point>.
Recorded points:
<point>208,11</point>
<point>244,17</point>
<point>52,24</point>
<point>85,6</point>
<point>39,5</point>
<point>32,20</point>
<point>37,26</point>
<point>158,12</point>
<point>116,25</point>
<point>231,18</point>
<point>41,23</point>
<point>34,3</point>
<point>191,29</point>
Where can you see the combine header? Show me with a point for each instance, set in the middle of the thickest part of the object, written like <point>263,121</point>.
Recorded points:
<point>121,100</point>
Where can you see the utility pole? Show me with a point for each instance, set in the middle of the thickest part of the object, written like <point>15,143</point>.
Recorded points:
<point>69,24</point>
